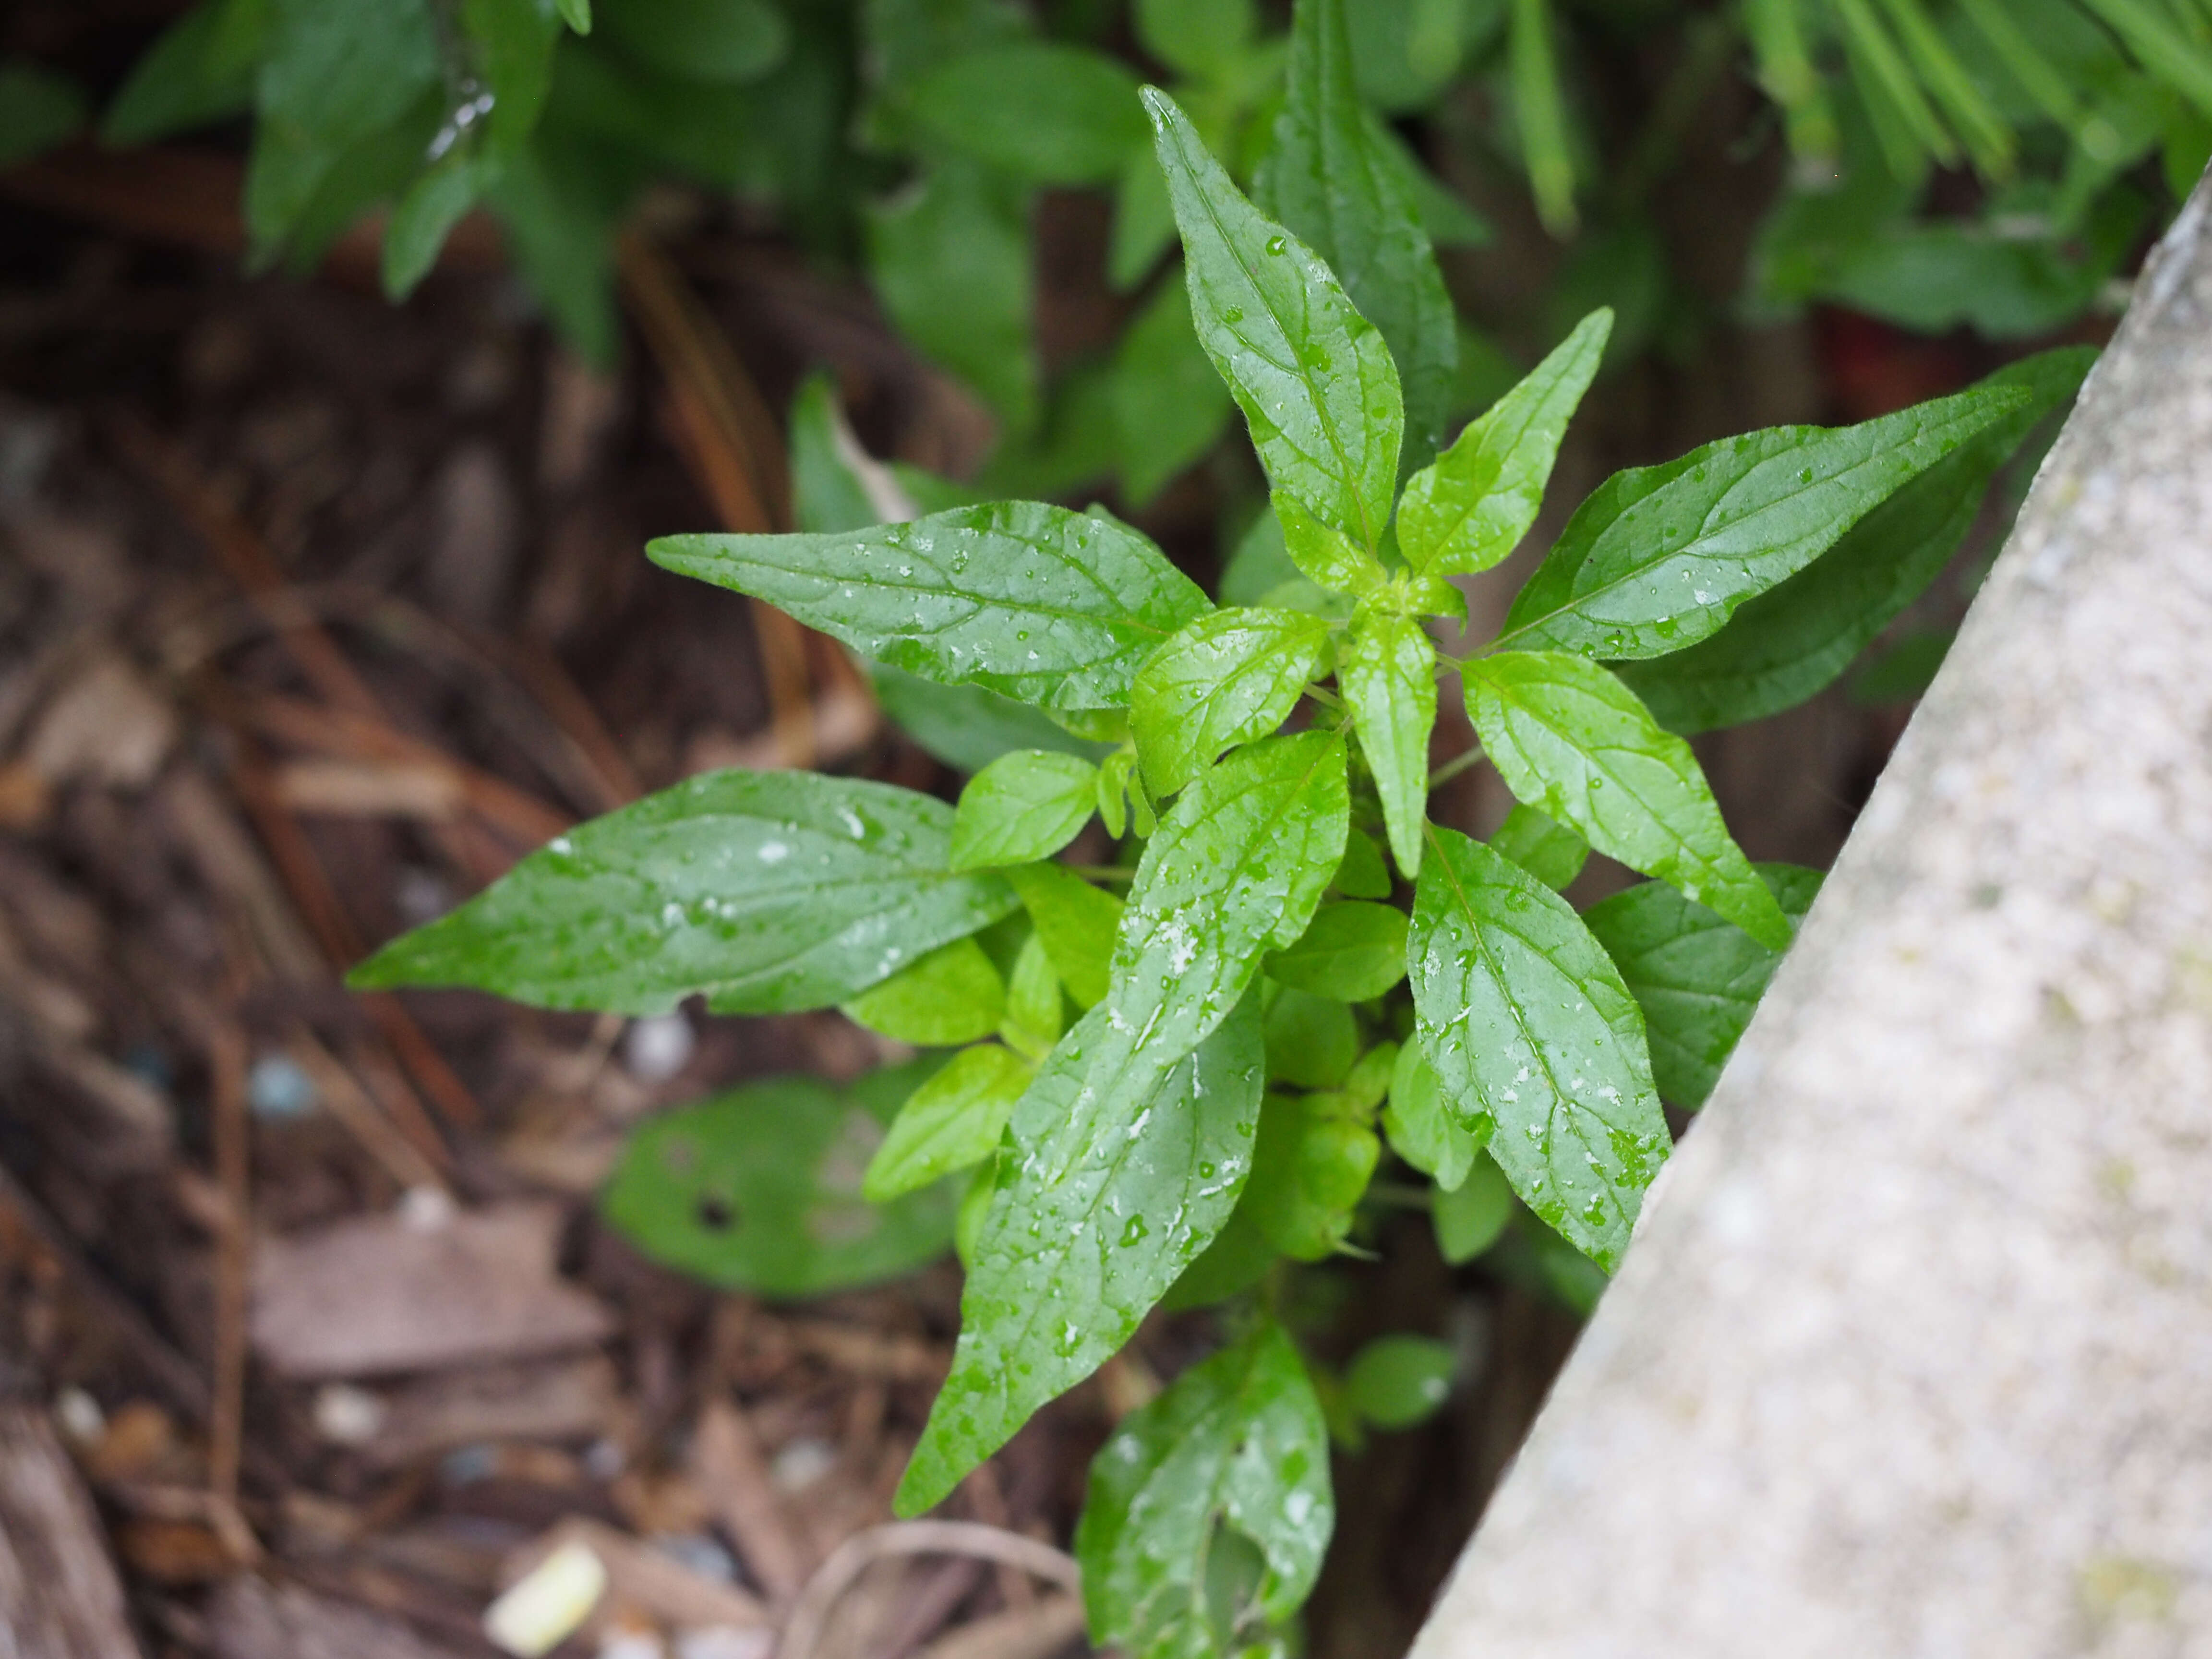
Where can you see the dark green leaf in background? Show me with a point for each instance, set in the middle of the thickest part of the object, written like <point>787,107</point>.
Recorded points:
<point>1315,1155</point>
<point>1122,1173</point>
<point>513,41</point>
<point>1337,186</point>
<point>1469,1217</point>
<point>1423,1128</point>
<point>1388,673</point>
<point>766,891</point>
<point>1471,506</point>
<point>1362,873</point>
<point>1796,639</point>
<point>1698,980</point>
<point>1313,1041</point>
<point>200,70</point>
<point>1197,37</point>
<point>1023,807</point>
<point>1038,109</point>
<point>726,42</point>
<point>1313,377</point>
<point>424,217</point>
<point>1352,951</point>
<point>39,109</point>
<point>968,726</point>
<point>1169,406</point>
<point>1528,1025</point>
<point>1056,608</point>
<point>1398,1381</point>
<point>1225,679</point>
<point>759,1189</point>
<point>1235,1450</point>
<point>1546,848</point>
<point>1571,741</point>
<point>1659,558</point>
<point>1078,923</point>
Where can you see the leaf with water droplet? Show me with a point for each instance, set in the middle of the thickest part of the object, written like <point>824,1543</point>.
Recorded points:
<point>1574,743</point>
<point>1022,807</point>
<point>1225,679</point>
<point>1735,518</point>
<point>1238,1441</point>
<point>750,888</point>
<point>952,994</point>
<point>951,1121</point>
<point>1351,951</point>
<point>1530,1030</point>
<point>1388,673</point>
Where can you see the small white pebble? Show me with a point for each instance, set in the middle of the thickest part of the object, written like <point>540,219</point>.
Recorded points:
<point>632,1645</point>
<point>346,1415</point>
<point>605,1458</point>
<point>801,1463</point>
<point>657,1047</point>
<point>699,1553</point>
<point>547,1604</point>
<point>80,1416</point>
<point>724,1642</point>
<point>277,1087</point>
<point>427,1209</point>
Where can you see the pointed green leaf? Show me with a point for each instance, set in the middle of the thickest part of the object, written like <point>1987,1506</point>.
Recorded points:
<point>1313,1042</point>
<point>1698,980</point>
<point>1197,37</point>
<point>1238,867</point>
<point>1470,508</point>
<point>1470,1217</point>
<point>769,892</point>
<point>1796,639</point>
<point>1023,807</point>
<point>1660,557</point>
<point>1238,1259</point>
<point>199,70</point>
<point>1528,1025</point>
<point>1078,923</point>
<point>576,13</point>
<point>759,1189</point>
<point>1351,951</point>
<point>1335,183</point>
<point>1398,1381</point>
<point>1313,377</point>
<point>1034,1018</point>
<point>1055,608</point>
<point>1041,110</point>
<point>1573,742</point>
<point>1388,673</point>
<point>422,218</point>
<point>952,994</point>
<point>1363,874</point>
<point>1325,555</point>
<point>950,1122</point>
<point>1546,849</point>
<point>1422,1127</point>
<point>1170,407</point>
<point>1122,1172</point>
<point>1237,1447</point>
<point>1226,679</point>
<point>514,41</point>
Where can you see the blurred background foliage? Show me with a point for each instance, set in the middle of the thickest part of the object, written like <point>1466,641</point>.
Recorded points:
<point>1990,165</point>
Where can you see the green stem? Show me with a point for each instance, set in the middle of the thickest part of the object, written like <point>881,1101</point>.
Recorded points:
<point>1452,768</point>
<point>1102,872</point>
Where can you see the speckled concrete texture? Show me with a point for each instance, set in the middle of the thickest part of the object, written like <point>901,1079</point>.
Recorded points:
<point>1913,1359</point>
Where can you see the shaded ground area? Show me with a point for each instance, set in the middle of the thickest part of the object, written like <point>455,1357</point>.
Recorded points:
<point>315,615</point>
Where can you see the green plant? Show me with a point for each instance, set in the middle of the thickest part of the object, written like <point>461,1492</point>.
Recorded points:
<point>1176,1072</point>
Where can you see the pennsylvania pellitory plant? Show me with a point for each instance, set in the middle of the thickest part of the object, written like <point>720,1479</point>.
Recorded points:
<point>1241,1034</point>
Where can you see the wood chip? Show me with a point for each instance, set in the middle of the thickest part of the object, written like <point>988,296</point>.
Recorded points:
<point>378,1294</point>
<point>59,1597</point>
<point>106,727</point>
<point>249,1618</point>
<point>728,1466</point>
<point>1032,1632</point>
<point>565,1401</point>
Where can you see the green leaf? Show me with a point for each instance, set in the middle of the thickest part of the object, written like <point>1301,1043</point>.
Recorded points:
<point>332,77</point>
<point>425,215</point>
<point>1573,742</point>
<point>1023,807</point>
<point>1363,874</point>
<point>1388,673</point>
<point>952,262</point>
<point>1123,1170</point>
<point>1798,638</point>
<point>1698,980</point>
<point>1033,1001</point>
<point>1904,670</point>
<point>1398,1381</point>
<point>1237,1448</point>
<point>576,13</point>
<point>1351,951</point>
<point>39,109</point>
<point>1659,558</point>
<point>1335,183</point>
<point>952,1122</point>
<point>759,1189</point>
<point>1039,109</point>
<point>1238,1259</point>
<point>1260,562</point>
<point>1315,1157</point>
<point>1546,849</point>
<point>1470,1217</point>
<point>1421,1125</point>
<point>952,994</point>
<point>1324,554</point>
<point>1407,50</point>
<point>1237,867</point>
<point>1313,1042</point>
<point>1078,923</point>
<point>1528,1026</point>
<point>1313,378</point>
<point>558,213</point>
<point>724,41</point>
<point>1470,508</point>
<point>1056,608</point>
<point>1541,107</point>
<point>1169,404</point>
<point>1225,679</point>
<point>769,892</point>
<point>200,70</point>
<point>967,726</point>
<point>513,41</point>
<point>1197,37</point>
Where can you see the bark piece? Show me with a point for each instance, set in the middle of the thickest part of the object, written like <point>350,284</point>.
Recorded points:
<point>60,1596</point>
<point>380,1294</point>
<point>1911,1357</point>
<point>249,1618</point>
